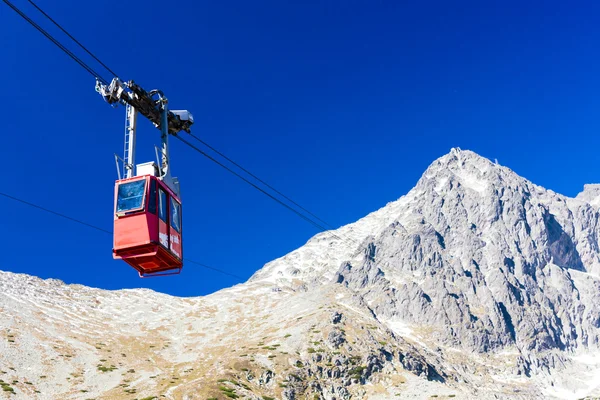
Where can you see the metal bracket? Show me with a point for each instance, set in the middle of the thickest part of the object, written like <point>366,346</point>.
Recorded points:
<point>154,275</point>
<point>125,166</point>
<point>118,92</point>
<point>117,164</point>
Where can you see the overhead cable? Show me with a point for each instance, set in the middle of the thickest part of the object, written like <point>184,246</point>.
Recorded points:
<point>260,180</point>
<point>72,38</point>
<point>56,42</point>
<point>298,213</point>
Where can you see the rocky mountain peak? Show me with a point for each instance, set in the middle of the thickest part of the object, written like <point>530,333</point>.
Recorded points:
<point>475,247</point>
<point>458,159</point>
<point>460,190</point>
<point>467,169</point>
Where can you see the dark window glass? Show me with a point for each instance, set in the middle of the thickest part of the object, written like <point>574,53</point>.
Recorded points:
<point>176,215</point>
<point>162,205</point>
<point>152,199</point>
<point>130,196</point>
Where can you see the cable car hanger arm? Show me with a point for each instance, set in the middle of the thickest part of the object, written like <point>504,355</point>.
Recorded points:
<point>149,104</point>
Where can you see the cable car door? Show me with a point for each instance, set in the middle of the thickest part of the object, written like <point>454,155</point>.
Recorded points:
<point>163,218</point>
<point>175,231</point>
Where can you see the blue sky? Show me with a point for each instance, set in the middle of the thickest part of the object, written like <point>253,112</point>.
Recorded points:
<point>339,105</point>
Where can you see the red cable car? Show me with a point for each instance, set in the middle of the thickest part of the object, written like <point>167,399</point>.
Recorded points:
<point>147,213</point>
<point>147,226</point>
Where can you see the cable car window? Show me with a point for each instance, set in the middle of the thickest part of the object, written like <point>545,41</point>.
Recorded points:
<point>176,216</point>
<point>152,199</point>
<point>130,196</point>
<point>162,205</point>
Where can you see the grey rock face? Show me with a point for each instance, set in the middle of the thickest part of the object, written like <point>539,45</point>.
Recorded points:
<point>336,338</point>
<point>590,194</point>
<point>488,257</point>
<point>336,317</point>
<point>481,258</point>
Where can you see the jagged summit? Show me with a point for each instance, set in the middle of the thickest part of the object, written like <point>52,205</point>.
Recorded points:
<point>467,168</point>
<point>458,190</point>
<point>471,171</point>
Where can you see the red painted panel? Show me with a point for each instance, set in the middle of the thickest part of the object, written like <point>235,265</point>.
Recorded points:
<point>176,243</point>
<point>152,227</point>
<point>163,233</point>
<point>131,231</point>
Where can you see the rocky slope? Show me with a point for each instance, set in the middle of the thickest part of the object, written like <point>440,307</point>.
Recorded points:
<point>476,284</point>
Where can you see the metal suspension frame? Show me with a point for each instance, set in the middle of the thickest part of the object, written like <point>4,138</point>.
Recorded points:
<point>154,106</point>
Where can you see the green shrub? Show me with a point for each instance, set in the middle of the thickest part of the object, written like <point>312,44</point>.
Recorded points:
<point>356,372</point>
<point>228,392</point>
<point>106,369</point>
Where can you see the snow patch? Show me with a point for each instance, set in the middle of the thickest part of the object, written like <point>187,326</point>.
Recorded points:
<point>404,330</point>
<point>440,184</point>
<point>471,182</point>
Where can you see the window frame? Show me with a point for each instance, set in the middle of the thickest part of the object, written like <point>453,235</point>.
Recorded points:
<point>177,204</point>
<point>162,191</point>
<point>152,197</point>
<point>142,205</point>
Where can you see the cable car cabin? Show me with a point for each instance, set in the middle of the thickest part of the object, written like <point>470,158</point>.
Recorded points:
<point>147,230</point>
